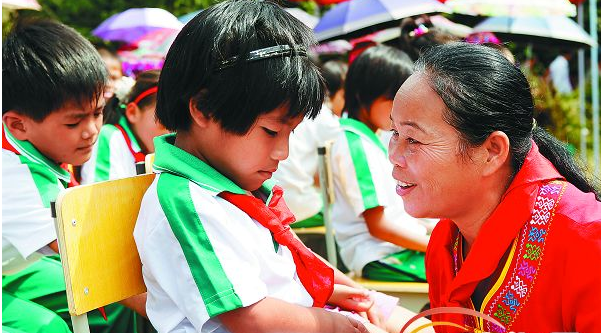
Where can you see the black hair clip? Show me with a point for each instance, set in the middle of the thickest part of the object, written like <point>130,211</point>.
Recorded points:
<point>262,54</point>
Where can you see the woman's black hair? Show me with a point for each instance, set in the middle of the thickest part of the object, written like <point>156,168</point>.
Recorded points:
<point>378,71</point>
<point>114,108</point>
<point>334,74</point>
<point>483,93</point>
<point>236,96</point>
<point>45,65</point>
<point>415,42</point>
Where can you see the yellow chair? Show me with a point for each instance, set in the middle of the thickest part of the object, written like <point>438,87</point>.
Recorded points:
<point>94,225</point>
<point>310,231</point>
<point>413,295</point>
<point>148,162</point>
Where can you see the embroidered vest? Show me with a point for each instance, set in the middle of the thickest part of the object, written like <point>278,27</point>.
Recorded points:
<point>518,277</point>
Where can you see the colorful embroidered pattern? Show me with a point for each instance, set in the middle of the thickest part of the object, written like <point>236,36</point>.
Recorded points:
<point>521,277</point>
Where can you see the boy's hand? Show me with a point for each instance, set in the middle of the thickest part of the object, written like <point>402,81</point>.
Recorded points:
<point>349,298</point>
<point>355,299</point>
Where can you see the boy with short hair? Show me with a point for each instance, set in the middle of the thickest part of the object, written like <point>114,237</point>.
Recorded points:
<point>213,232</point>
<point>51,113</point>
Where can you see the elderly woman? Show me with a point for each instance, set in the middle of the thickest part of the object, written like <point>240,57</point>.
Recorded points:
<point>520,235</point>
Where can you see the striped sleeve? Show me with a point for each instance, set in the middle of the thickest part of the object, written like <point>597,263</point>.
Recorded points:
<point>352,173</point>
<point>216,262</point>
<point>27,190</point>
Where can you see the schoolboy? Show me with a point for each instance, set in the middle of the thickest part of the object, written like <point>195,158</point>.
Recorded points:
<point>217,252</point>
<point>53,82</point>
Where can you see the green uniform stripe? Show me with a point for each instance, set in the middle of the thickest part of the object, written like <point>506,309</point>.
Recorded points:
<point>362,171</point>
<point>358,127</point>
<point>215,288</point>
<point>103,153</point>
<point>45,181</point>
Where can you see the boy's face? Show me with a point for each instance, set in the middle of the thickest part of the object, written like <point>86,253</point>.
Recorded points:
<point>252,158</point>
<point>67,134</point>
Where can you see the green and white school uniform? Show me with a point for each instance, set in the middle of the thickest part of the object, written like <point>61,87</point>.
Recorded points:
<point>202,256</point>
<point>296,174</point>
<point>33,287</point>
<point>113,155</point>
<point>362,177</point>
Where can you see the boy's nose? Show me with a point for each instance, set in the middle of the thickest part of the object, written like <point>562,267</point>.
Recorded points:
<point>90,131</point>
<point>281,151</point>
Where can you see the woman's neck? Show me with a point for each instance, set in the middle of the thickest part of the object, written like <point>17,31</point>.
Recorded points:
<point>470,224</point>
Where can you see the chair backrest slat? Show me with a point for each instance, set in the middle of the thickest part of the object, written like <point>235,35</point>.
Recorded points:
<point>95,226</point>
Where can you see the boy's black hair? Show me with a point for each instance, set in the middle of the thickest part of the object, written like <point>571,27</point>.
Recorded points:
<point>334,74</point>
<point>378,71</point>
<point>45,65</point>
<point>236,96</point>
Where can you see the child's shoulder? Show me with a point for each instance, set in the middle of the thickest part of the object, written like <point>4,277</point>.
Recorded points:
<point>177,193</point>
<point>108,132</point>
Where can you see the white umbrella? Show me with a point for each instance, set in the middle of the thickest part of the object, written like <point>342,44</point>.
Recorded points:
<point>308,19</point>
<point>455,29</point>
<point>364,16</point>
<point>554,30</point>
<point>513,7</point>
<point>21,4</point>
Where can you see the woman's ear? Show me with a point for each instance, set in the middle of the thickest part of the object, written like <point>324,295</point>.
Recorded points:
<point>132,113</point>
<point>498,152</point>
<point>199,118</point>
<point>16,124</point>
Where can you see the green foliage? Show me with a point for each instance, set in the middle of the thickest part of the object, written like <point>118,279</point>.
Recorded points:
<point>560,113</point>
<point>85,15</point>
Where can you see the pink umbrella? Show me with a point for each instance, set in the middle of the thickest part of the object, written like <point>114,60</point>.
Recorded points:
<point>132,24</point>
<point>157,42</point>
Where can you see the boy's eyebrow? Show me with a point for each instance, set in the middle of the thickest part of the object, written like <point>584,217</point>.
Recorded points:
<point>81,114</point>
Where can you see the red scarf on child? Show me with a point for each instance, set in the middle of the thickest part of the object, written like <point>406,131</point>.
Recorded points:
<point>314,274</point>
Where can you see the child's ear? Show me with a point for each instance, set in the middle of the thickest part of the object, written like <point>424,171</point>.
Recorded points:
<point>132,113</point>
<point>198,116</point>
<point>16,124</point>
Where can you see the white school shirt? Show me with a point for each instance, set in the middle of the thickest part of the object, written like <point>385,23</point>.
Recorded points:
<point>202,256</point>
<point>30,181</point>
<point>111,156</point>
<point>296,173</point>
<point>362,177</point>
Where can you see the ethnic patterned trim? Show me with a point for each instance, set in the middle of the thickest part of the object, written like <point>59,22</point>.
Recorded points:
<point>513,293</point>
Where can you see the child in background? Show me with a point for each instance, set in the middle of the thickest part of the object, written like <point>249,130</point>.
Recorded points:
<point>418,35</point>
<point>377,238</point>
<point>297,174</point>
<point>127,135</point>
<point>113,67</point>
<point>213,232</point>
<point>51,114</point>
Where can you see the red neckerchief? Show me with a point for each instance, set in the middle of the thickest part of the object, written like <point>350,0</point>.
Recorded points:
<point>6,145</point>
<point>314,274</point>
<point>494,238</point>
<point>138,156</point>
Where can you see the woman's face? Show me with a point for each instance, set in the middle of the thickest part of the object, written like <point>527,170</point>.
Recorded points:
<point>433,178</point>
